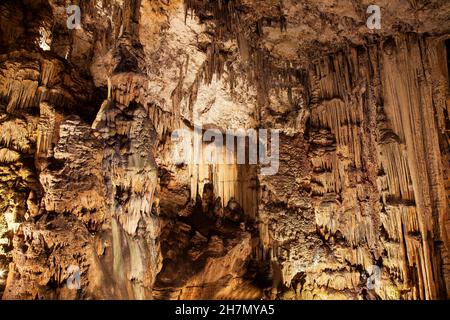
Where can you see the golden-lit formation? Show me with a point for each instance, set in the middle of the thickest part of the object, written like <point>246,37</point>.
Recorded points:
<point>315,163</point>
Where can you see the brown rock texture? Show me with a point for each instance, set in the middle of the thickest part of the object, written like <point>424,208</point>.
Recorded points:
<point>358,208</point>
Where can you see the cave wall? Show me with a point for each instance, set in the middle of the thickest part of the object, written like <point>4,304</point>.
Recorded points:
<point>87,171</point>
<point>364,160</point>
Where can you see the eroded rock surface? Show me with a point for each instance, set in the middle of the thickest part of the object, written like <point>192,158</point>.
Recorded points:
<point>88,180</point>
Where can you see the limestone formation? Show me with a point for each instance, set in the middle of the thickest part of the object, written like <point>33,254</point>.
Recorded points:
<point>95,205</point>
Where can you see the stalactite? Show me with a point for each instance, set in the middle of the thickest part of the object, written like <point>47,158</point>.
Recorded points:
<point>230,180</point>
<point>409,109</point>
<point>8,156</point>
<point>14,135</point>
<point>396,183</point>
<point>337,125</point>
<point>21,94</point>
<point>46,129</point>
<point>262,72</point>
<point>127,88</point>
<point>362,182</point>
<point>344,124</point>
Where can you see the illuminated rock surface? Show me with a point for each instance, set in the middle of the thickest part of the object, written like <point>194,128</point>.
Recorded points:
<point>87,177</point>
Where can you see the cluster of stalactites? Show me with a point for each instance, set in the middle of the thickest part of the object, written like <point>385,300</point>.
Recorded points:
<point>262,70</point>
<point>218,166</point>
